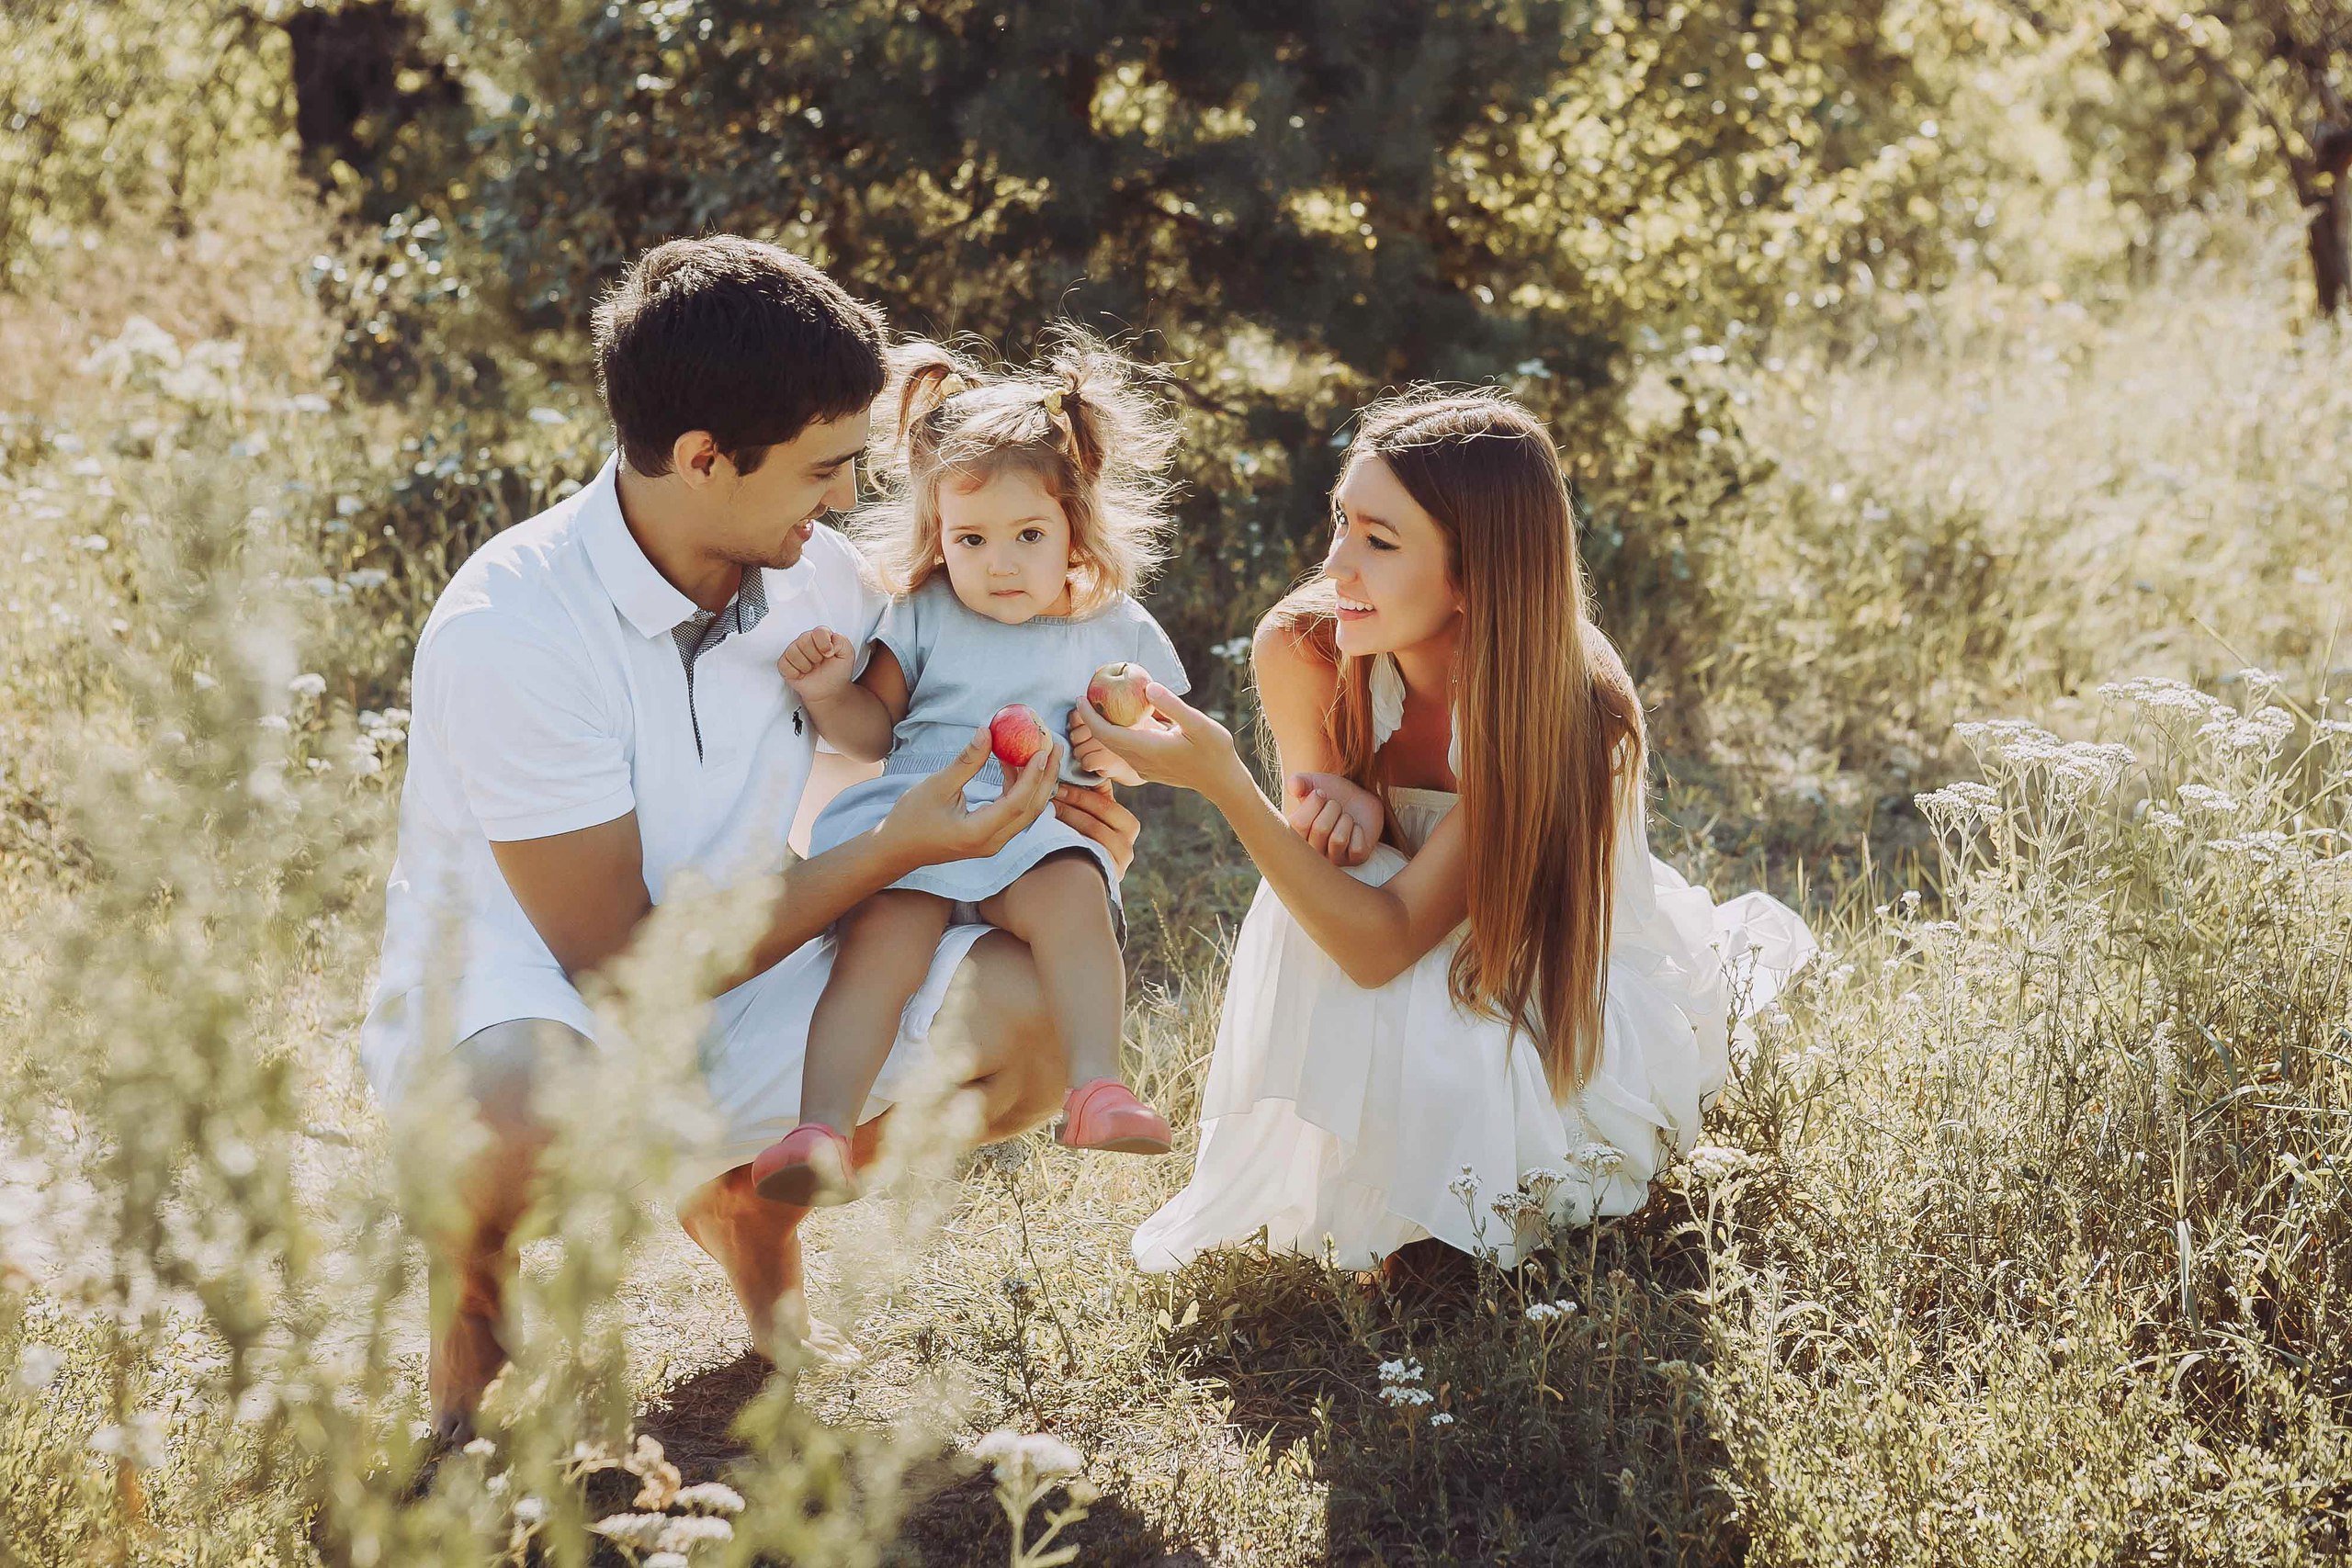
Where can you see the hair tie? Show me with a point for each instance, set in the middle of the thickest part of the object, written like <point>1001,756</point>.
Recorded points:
<point>1053,401</point>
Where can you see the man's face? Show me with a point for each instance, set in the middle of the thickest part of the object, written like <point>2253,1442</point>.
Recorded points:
<point>764,518</point>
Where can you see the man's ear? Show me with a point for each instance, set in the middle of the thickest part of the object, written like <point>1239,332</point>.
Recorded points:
<point>694,457</point>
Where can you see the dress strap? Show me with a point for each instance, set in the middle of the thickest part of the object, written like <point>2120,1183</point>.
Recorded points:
<point>1388,711</point>
<point>1387,699</point>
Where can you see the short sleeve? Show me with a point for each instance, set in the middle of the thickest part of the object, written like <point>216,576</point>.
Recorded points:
<point>525,727</point>
<point>907,627</point>
<point>854,602</point>
<point>1157,654</point>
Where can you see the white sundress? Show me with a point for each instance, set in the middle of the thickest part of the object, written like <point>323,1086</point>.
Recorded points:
<point>1344,1117</point>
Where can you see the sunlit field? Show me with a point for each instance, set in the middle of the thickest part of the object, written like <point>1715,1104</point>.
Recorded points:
<point>1993,611</point>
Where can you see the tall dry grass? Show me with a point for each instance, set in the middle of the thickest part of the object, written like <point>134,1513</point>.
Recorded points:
<point>2020,1237</point>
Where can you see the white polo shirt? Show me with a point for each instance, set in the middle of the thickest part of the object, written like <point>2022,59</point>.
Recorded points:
<point>552,692</point>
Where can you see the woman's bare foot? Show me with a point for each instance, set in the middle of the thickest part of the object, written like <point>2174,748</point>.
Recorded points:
<point>758,1244</point>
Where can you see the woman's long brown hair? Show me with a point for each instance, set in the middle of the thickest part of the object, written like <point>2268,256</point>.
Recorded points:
<point>1552,745</point>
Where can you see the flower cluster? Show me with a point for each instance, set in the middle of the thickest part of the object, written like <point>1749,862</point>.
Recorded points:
<point>1400,1384</point>
<point>1013,1455</point>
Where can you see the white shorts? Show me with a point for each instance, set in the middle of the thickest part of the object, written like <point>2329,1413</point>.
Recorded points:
<point>751,1059</point>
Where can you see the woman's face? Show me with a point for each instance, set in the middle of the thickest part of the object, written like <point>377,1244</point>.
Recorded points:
<point>1388,563</point>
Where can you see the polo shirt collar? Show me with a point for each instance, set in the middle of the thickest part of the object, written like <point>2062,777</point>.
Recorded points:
<point>645,599</point>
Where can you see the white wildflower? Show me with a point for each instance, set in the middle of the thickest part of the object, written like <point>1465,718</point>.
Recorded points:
<point>273,722</point>
<point>1400,1372</point>
<point>1441,1419</point>
<point>1467,1186</point>
<point>643,1531</point>
<point>1599,1159</point>
<point>1551,1311</point>
<point>1715,1162</point>
<point>531,1510</point>
<point>2206,800</point>
<point>37,1366</point>
<point>709,1497</point>
<point>1960,804</point>
<point>1398,1395</point>
<point>308,685</point>
<point>1009,1452</point>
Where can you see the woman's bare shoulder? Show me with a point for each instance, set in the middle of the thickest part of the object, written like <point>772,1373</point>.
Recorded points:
<point>1285,648</point>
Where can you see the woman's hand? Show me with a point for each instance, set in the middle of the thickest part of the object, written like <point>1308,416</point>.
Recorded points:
<point>1093,812</point>
<point>1176,745</point>
<point>1339,818</point>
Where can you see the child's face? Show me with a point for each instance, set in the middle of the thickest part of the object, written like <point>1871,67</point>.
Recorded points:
<point>1007,544</point>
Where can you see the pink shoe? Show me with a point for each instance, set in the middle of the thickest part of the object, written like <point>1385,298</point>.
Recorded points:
<point>1103,1113</point>
<point>808,1167</point>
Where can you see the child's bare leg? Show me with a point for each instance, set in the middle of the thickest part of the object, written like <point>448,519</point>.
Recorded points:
<point>884,948</point>
<point>1060,908</point>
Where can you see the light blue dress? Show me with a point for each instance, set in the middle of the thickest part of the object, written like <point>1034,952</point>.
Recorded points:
<point>961,667</point>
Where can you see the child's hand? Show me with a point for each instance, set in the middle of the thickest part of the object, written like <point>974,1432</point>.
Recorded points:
<point>1095,756</point>
<point>1339,819</point>
<point>817,666</point>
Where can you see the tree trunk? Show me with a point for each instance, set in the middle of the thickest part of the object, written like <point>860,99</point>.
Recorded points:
<point>2321,188</point>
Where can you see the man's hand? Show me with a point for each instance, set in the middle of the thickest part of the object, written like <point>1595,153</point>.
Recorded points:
<point>817,666</point>
<point>929,825</point>
<point>1094,812</point>
<point>1095,756</point>
<point>1341,819</point>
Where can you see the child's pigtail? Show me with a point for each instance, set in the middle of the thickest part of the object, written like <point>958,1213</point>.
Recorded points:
<point>924,376</point>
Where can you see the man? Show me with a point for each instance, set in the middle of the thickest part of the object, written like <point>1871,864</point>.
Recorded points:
<point>596,708</point>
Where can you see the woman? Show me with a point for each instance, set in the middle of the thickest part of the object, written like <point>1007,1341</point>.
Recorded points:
<point>1464,977</point>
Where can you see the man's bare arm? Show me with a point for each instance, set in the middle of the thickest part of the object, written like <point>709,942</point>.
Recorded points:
<point>584,891</point>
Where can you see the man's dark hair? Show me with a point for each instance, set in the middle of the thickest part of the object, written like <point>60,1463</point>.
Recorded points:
<point>745,340</point>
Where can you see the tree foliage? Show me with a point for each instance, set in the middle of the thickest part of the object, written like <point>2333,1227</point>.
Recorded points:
<point>2206,84</point>
<point>1291,204</point>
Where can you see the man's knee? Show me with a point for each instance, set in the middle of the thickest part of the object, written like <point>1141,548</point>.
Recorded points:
<point>502,1065</point>
<point>995,1009</point>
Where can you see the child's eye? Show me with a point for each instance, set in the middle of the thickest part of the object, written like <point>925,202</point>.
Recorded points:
<point>1032,536</point>
<point>971,541</point>
<point>1378,543</point>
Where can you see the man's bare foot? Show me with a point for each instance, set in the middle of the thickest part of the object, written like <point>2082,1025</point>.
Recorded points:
<point>466,1360</point>
<point>758,1244</point>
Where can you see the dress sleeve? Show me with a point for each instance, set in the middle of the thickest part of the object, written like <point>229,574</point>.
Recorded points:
<point>907,627</point>
<point>526,727</point>
<point>1156,653</point>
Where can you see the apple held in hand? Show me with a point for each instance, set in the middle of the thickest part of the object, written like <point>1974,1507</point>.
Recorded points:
<point>1015,735</point>
<point>1117,692</point>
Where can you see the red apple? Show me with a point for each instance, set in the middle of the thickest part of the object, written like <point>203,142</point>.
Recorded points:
<point>1117,692</point>
<point>1017,734</point>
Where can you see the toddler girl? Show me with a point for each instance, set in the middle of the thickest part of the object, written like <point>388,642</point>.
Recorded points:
<point>1023,510</point>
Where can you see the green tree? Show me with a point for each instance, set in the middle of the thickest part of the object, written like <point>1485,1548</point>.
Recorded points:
<point>1292,204</point>
<point>2206,78</point>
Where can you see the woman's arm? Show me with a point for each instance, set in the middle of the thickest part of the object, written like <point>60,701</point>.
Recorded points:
<point>1296,689</point>
<point>1373,934</point>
